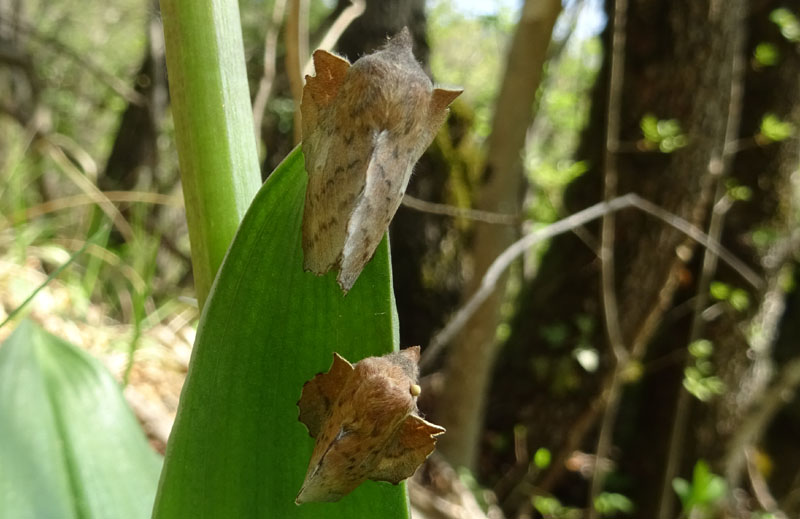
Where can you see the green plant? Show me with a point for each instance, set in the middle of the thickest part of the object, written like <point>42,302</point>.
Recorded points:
<point>237,448</point>
<point>213,126</point>
<point>69,445</point>
<point>700,496</point>
<point>698,378</point>
<point>664,134</point>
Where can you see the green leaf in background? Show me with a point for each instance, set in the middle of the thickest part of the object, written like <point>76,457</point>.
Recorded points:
<point>69,445</point>
<point>237,448</point>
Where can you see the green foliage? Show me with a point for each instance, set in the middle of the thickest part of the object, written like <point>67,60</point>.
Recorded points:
<point>554,334</point>
<point>467,51</point>
<point>562,111</point>
<point>69,445</point>
<point>237,448</point>
<point>542,458</point>
<point>737,191</point>
<point>665,135</point>
<point>774,129</point>
<point>698,378</point>
<point>766,54</point>
<point>738,298</point>
<point>700,496</point>
<point>611,503</point>
<point>787,22</point>
<point>551,508</point>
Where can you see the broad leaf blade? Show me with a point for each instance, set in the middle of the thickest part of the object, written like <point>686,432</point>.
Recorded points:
<point>69,445</point>
<point>237,448</point>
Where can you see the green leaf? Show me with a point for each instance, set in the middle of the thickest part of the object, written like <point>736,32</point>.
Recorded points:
<point>787,22</point>
<point>701,348</point>
<point>682,489</point>
<point>775,129</point>
<point>69,445</point>
<point>610,503</point>
<point>542,458</point>
<point>766,54</point>
<point>237,448</point>
<point>740,299</point>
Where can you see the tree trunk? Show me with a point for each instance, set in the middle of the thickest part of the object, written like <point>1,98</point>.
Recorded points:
<point>471,356</point>
<point>679,64</point>
<point>135,143</point>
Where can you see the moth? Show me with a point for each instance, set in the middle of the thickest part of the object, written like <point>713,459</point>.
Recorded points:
<point>366,424</point>
<point>364,127</point>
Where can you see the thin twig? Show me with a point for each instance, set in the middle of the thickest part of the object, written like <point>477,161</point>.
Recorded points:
<point>342,22</point>
<point>611,310</point>
<point>460,212</point>
<point>516,249</point>
<point>761,413</point>
<point>270,53</point>
<point>296,55</point>
<point>607,240</point>
<point>760,487</point>
<point>683,404</point>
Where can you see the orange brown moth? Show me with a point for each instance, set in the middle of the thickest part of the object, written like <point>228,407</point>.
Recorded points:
<point>366,424</point>
<point>364,127</point>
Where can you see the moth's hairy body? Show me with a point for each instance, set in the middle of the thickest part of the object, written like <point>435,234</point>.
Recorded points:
<point>364,127</point>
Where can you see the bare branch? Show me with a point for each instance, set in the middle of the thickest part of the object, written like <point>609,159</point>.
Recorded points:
<point>761,413</point>
<point>608,231</point>
<point>504,260</point>
<point>270,53</point>
<point>460,212</point>
<point>345,18</point>
<point>296,55</point>
<point>760,487</point>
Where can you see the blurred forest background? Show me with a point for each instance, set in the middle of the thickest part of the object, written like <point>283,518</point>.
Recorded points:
<point>619,369</point>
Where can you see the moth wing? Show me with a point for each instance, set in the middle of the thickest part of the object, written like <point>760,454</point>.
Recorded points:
<point>337,182</point>
<point>321,89</point>
<point>410,446</point>
<point>387,176</point>
<point>321,392</point>
<point>323,233</point>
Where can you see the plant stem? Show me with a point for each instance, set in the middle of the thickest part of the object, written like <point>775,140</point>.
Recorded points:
<point>213,126</point>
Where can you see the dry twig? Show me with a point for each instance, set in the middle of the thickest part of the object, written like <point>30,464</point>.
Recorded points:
<point>607,277</point>
<point>460,212</point>
<point>270,52</point>
<point>296,55</point>
<point>345,18</point>
<point>504,260</point>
